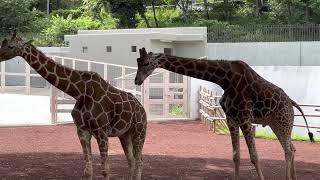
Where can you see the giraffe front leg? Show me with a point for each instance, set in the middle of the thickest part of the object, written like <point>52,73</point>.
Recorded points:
<point>234,132</point>
<point>103,148</point>
<point>247,130</point>
<point>85,140</point>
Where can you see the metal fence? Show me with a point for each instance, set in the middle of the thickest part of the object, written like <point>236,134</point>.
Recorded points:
<point>212,114</point>
<point>264,33</point>
<point>165,97</point>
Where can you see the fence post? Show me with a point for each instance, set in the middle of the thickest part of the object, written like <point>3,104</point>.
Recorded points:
<point>105,72</point>
<point>53,105</point>
<point>123,77</point>
<point>28,79</point>
<point>3,76</point>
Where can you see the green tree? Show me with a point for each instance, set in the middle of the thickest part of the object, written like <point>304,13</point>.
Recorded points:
<point>125,11</point>
<point>16,15</point>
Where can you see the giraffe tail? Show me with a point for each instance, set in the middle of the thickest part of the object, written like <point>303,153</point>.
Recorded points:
<point>305,120</point>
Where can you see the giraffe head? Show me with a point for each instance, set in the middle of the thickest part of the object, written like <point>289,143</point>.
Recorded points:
<point>147,63</point>
<point>11,47</point>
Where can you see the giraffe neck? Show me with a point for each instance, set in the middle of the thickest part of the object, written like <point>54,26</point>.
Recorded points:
<point>213,70</point>
<point>61,77</point>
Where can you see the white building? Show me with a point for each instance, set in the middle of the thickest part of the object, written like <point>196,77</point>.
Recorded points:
<point>121,46</point>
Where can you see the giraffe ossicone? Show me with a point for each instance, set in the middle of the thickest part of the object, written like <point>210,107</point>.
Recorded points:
<point>101,110</point>
<point>248,98</point>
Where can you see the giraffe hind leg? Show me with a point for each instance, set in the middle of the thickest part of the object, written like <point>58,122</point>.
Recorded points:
<point>138,141</point>
<point>103,143</point>
<point>284,137</point>
<point>126,143</point>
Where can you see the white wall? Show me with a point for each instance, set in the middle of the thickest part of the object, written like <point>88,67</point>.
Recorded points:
<point>268,53</point>
<point>17,110</point>
<point>121,40</point>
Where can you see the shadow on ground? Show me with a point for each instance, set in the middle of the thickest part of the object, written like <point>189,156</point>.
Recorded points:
<point>63,166</point>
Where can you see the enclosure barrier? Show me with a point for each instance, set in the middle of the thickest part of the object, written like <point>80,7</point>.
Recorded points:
<point>212,114</point>
<point>263,33</point>
<point>119,76</point>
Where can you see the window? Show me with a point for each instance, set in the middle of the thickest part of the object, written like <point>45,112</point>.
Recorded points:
<point>155,93</point>
<point>167,51</point>
<point>133,48</point>
<point>109,49</point>
<point>85,49</point>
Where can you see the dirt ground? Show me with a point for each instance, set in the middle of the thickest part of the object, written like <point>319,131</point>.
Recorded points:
<point>173,150</point>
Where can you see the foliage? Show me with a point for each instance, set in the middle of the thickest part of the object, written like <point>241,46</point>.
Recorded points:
<point>177,110</point>
<point>267,135</point>
<point>60,26</point>
<point>65,13</point>
<point>125,11</point>
<point>16,15</point>
<point>166,18</point>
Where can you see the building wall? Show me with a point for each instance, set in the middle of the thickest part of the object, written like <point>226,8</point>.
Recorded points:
<point>121,40</point>
<point>268,53</point>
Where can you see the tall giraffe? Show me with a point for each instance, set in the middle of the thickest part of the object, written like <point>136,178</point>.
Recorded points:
<point>248,98</point>
<point>101,110</point>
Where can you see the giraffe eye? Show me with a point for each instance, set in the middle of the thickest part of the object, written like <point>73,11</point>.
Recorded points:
<point>146,64</point>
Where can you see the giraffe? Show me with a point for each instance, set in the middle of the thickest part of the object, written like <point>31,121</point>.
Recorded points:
<point>101,110</point>
<point>248,98</point>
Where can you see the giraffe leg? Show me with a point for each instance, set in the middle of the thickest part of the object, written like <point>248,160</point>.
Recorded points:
<point>293,168</point>
<point>85,140</point>
<point>103,142</point>
<point>234,132</point>
<point>138,142</point>
<point>288,148</point>
<point>126,142</point>
<point>247,131</point>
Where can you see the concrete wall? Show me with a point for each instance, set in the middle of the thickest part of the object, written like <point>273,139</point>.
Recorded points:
<point>17,110</point>
<point>268,53</point>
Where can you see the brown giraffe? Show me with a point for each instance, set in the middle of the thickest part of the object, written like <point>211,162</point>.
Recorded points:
<point>248,98</point>
<point>101,110</point>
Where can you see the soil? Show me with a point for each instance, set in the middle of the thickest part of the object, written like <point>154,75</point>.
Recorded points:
<point>174,150</point>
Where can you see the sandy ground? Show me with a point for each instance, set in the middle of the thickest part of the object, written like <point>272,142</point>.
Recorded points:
<point>184,150</point>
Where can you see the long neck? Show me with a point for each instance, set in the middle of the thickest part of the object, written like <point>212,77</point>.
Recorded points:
<point>214,71</point>
<point>64,78</point>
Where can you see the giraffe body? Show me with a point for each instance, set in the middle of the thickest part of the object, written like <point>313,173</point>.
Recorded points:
<point>101,110</point>
<point>248,98</point>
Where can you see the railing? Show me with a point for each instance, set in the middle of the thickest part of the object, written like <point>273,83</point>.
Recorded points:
<point>309,115</point>
<point>210,110</point>
<point>120,76</point>
<point>264,33</point>
<point>26,81</point>
<point>212,114</point>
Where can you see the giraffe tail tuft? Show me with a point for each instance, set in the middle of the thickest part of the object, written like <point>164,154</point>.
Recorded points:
<point>309,132</point>
<point>311,136</point>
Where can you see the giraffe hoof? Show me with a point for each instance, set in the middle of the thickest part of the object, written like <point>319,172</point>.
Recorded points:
<point>105,175</point>
<point>88,172</point>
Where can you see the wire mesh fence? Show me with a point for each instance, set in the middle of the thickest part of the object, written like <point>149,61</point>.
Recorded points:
<point>264,33</point>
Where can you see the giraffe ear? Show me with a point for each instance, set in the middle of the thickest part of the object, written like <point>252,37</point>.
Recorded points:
<point>140,52</point>
<point>144,52</point>
<point>5,43</point>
